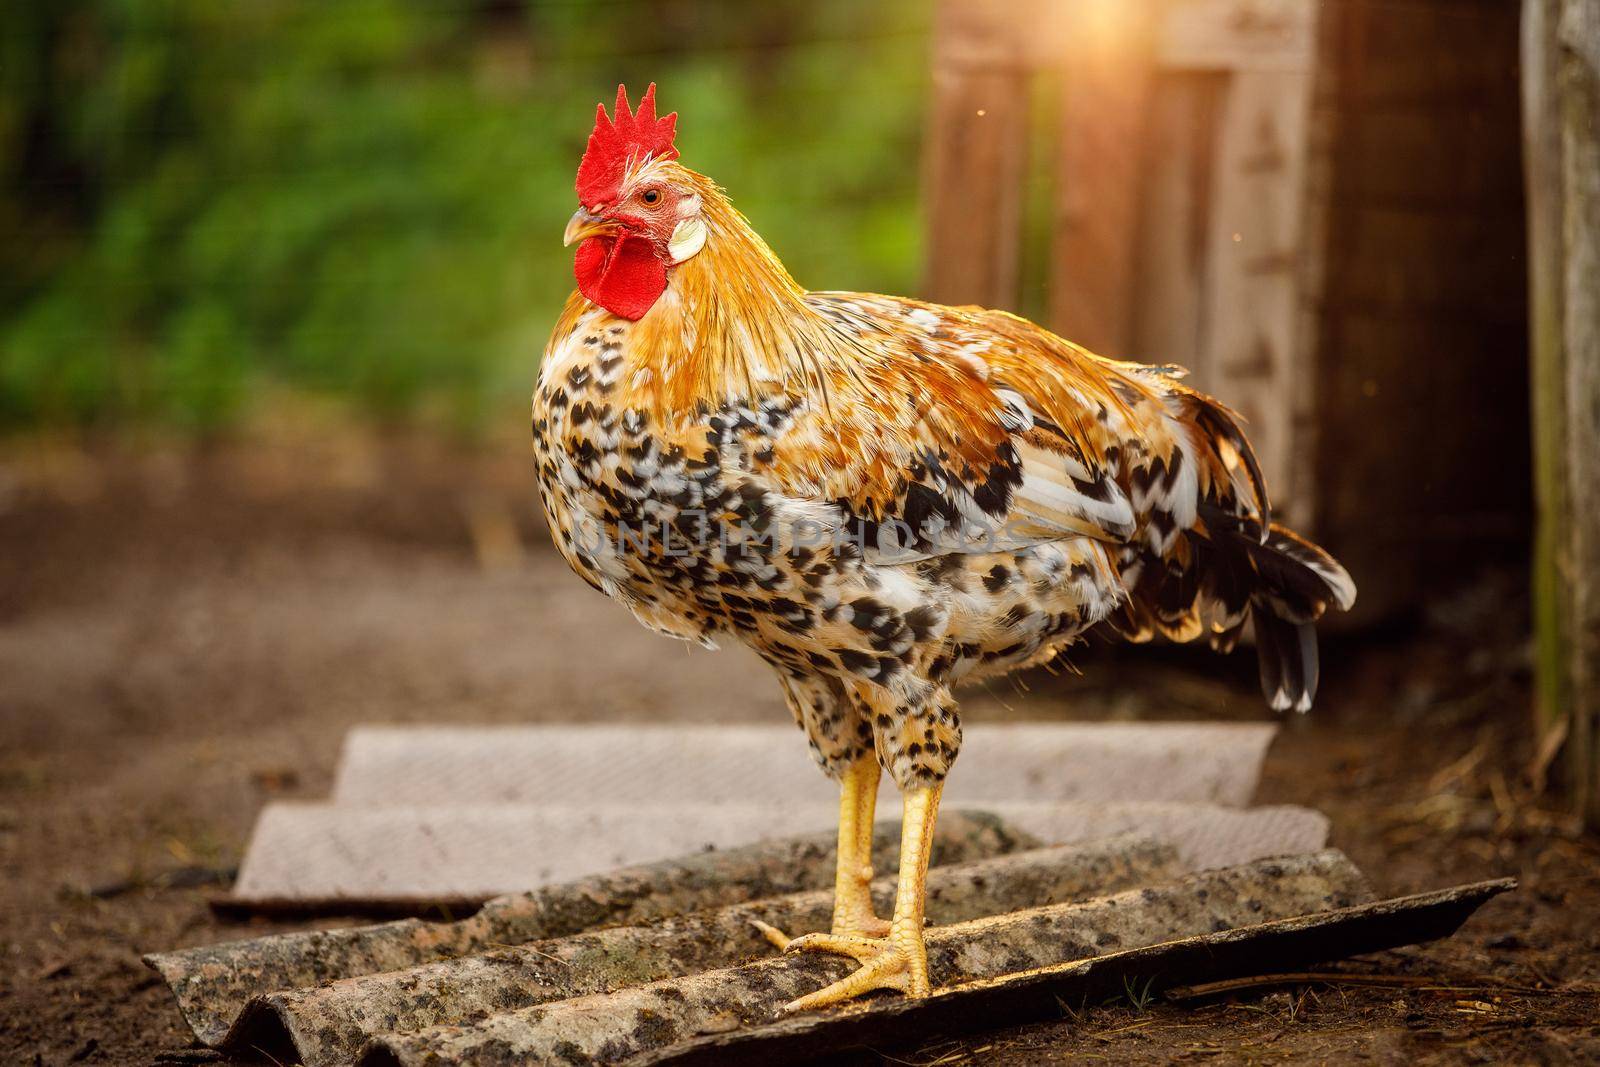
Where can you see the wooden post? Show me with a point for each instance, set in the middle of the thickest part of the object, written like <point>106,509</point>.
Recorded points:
<point>1180,132</point>
<point>1561,99</point>
<point>977,154</point>
<point>1100,174</point>
<point>1579,34</point>
<point>1255,255</point>
<point>1180,195</point>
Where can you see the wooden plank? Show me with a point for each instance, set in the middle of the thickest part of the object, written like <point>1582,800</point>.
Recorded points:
<point>1234,35</point>
<point>1433,54</point>
<point>1561,99</point>
<point>1250,326</point>
<point>975,157</point>
<point>1099,176</point>
<point>1578,34</point>
<point>1542,152</point>
<point>977,154</point>
<point>1172,242</point>
<point>1386,217</point>
<point>1411,158</point>
<point>1433,261</point>
<point>1420,475</point>
<point>1322,153</point>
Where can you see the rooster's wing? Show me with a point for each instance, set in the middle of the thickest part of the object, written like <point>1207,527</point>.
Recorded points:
<point>963,430</point>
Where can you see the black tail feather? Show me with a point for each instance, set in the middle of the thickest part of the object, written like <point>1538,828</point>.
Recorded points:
<point>1235,572</point>
<point>1287,653</point>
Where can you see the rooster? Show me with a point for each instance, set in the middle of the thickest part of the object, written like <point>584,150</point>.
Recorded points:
<point>883,498</point>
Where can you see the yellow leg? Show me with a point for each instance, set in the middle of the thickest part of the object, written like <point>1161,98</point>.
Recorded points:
<point>900,960</point>
<point>852,882</point>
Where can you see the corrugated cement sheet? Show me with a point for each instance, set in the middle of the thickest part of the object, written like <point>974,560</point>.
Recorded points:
<point>1102,854</point>
<point>458,815</point>
<point>769,765</point>
<point>1012,932</point>
<point>323,857</point>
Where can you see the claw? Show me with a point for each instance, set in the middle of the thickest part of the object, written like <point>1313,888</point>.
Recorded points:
<point>779,939</point>
<point>884,965</point>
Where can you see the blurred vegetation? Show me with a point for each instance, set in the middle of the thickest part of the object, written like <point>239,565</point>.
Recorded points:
<point>206,201</point>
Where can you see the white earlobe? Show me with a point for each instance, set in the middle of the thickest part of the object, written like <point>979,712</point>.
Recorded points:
<point>688,237</point>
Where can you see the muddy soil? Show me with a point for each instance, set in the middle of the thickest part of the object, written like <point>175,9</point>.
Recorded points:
<point>186,636</point>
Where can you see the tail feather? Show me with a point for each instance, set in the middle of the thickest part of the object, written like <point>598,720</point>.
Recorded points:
<point>1295,583</point>
<point>1220,426</point>
<point>1229,572</point>
<point>1287,655</point>
<point>1213,561</point>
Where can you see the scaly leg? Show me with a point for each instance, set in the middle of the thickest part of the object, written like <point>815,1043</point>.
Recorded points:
<point>899,961</point>
<point>852,883</point>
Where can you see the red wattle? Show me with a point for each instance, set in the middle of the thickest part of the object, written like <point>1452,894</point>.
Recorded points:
<point>625,276</point>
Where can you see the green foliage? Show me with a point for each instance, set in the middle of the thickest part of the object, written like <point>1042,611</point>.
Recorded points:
<point>365,197</point>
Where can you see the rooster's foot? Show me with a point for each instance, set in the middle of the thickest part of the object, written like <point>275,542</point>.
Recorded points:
<point>892,962</point>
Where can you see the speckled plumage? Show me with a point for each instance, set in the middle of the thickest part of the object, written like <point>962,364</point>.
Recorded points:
<point>884,497</point>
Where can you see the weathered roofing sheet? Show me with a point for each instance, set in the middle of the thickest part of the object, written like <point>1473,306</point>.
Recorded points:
<point>611,1027</point>
<point>213,982</point>
<point>759,765</point>
<point>659,962</point>
<point>322,857</point>
<point>1031,996</point>
<point>457,815</point>
<point>507,987</point>
<point>329,1023</point>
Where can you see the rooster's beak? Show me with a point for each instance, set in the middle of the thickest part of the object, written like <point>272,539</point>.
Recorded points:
<point>584,224</point>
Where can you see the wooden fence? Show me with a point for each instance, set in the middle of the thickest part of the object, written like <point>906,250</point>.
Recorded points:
<point>1315,207</point>
<point>1180,193</point>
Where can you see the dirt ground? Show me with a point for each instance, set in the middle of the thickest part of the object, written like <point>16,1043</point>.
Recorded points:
<point>183,637</point>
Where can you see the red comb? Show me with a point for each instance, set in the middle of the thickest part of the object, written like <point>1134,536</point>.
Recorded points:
<point>614,144</point>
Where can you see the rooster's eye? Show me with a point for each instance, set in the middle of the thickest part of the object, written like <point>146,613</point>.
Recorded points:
<point>651,196</point>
